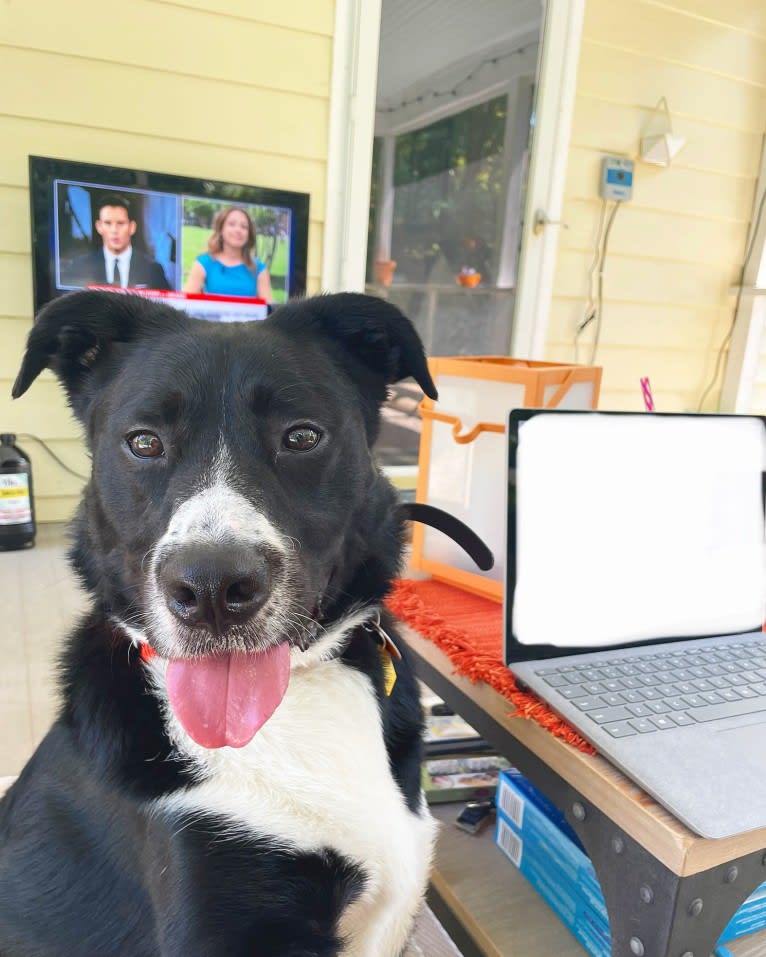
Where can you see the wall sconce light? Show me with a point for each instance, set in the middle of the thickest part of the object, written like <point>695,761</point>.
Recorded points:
<point>661,148</point>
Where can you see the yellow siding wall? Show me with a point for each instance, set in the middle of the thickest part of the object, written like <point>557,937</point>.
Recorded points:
<point>236,90</point>
<point>677,248</point>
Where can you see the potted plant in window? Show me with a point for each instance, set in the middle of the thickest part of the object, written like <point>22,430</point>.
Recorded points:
<point>468,277</point>
<point>383,270</point>
<point>469,274</point>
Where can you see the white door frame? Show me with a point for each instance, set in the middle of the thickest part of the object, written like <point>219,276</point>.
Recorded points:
<point>349,155</point>
<point>349,161</point>
<point>748,337</point>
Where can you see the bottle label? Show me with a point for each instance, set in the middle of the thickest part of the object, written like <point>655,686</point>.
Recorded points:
<point>15,505</point>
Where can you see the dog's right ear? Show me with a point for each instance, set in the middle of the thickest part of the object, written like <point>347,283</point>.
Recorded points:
<point>374,330</point>
<point>72,333</point>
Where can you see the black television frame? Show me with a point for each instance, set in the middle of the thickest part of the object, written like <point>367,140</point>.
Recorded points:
<point>45,171</point>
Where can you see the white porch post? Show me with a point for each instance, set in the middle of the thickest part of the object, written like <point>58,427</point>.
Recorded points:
<point>385,224</point>
<point>520,98</point>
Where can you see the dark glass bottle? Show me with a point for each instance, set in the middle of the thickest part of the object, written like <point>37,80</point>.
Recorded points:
<point>17,510</point>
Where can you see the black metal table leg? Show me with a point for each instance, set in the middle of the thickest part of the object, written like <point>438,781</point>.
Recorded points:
<point>654,912</point>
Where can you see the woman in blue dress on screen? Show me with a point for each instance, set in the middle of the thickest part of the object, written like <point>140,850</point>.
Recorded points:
<point>228,268</point>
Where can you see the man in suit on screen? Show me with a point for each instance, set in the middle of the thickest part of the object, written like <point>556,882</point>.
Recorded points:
<point>117,263</point>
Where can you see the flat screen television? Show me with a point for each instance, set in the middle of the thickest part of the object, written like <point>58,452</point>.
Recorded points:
<point>173,216</point>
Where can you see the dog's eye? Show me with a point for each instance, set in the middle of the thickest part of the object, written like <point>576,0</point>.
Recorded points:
<point>303,438</point>
<point>146,445</point>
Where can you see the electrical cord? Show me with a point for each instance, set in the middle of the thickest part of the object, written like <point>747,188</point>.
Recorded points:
<point>602,266</point>
<point>594,311</point>
<point>590,304</point>
<point>730,331</point>
<point>25,436</point>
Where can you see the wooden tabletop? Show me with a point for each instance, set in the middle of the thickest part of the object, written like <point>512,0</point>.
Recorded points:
<point>634,811</point>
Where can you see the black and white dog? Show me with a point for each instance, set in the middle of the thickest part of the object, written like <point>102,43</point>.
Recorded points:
<point>231,772</point>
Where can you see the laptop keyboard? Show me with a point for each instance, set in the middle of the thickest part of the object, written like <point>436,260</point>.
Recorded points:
<point>662,690</point>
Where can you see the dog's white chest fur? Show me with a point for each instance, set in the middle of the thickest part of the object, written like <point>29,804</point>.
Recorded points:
<point>317,776</point>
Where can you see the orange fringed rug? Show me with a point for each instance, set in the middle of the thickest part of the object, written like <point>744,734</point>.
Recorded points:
<point>469,630</point>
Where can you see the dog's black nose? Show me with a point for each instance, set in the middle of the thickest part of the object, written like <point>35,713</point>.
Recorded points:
<point>214,588</point>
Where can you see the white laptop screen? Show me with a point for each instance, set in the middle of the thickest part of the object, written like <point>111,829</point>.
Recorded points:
<point>632,527</point>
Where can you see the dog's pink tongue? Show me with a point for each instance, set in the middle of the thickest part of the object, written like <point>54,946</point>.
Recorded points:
<point>224,699</point>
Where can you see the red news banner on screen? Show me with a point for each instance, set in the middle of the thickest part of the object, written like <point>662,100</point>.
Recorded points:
<point>201,305</point>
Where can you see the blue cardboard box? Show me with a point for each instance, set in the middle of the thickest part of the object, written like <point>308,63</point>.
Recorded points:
<point>588,926</point>
<point>553,862</point>
<point>528,816</point>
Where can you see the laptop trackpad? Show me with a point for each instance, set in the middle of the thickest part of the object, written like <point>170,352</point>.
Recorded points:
<point>750,734</point>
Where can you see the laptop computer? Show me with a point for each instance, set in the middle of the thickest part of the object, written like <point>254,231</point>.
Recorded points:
<point>636,595</point>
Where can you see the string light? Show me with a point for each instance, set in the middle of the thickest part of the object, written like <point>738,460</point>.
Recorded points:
<point>455,90</point>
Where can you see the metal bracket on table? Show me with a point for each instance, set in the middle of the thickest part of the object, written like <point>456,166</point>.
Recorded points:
<point>653,912</point>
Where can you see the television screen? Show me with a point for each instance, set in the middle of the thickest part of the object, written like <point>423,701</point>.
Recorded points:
<point>169,223</point>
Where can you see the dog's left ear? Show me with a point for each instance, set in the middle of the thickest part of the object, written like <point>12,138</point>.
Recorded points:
<point>73,332</point>
<point>377,333</point>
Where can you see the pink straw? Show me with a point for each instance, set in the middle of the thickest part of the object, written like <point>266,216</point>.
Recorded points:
<point>647,393</point>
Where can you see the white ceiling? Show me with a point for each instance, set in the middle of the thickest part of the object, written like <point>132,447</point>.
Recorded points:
<point>423,39</point>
